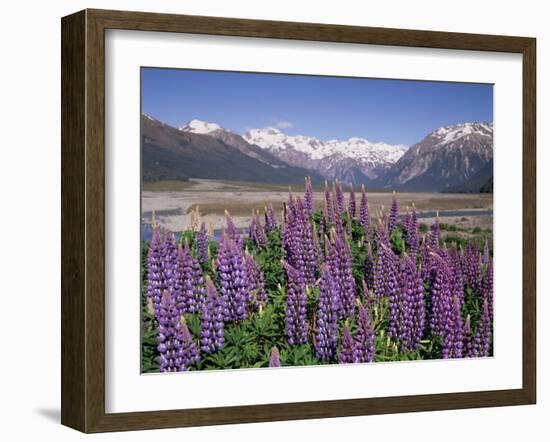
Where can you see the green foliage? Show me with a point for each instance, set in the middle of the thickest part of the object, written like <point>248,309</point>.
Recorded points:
<point>148,348</point>
<point>456,240</point>
<point>448,227</point>
<point>397,241</point>
<point>269,260</point>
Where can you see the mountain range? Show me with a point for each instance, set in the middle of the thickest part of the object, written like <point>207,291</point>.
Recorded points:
<point>453,158</point>
<point>174,154</point>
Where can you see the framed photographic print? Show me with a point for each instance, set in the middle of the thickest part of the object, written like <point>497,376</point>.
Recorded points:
<point>267,221</point>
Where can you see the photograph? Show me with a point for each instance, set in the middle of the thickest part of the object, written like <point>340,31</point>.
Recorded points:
<point>303,220</point>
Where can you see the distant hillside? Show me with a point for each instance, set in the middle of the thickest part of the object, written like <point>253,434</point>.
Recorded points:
<point>488,186</point>
<point>452,158</point>
<point>476,183</point>
<point>173,154</point>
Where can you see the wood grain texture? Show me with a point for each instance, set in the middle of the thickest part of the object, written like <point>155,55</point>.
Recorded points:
<point>83,219</point>
<point>73,212</point>
<point>529,220</point>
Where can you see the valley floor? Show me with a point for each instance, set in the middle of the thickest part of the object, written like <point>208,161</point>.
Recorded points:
<point>173,203</point>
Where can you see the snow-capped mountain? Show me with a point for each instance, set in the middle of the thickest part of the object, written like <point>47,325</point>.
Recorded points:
<point>173,154</point>
<point>450,134</point>
<point>234,140</point>
<point>343,159</point>
<point>273,139</point>
<point>354,160</point>
<point>450,158</point>
<point>200,127</point>
<point>447,158</point>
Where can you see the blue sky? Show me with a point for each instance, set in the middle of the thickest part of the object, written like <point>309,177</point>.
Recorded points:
<point>393,111</point>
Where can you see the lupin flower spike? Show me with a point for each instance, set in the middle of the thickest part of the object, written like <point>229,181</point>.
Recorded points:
<point>274,358</point>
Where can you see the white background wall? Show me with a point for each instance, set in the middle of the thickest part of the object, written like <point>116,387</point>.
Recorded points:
<point>30,215</point>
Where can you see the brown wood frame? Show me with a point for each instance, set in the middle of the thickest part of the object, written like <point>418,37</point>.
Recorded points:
<point>83,217</point>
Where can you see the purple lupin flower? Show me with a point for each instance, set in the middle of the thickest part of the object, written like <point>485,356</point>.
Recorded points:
<point>169,265</point>
<point>231,229</point>
<point>364,217</point>
<point>369,267</point>
<point>382,232</point>
<point>308,197</point>
<point>348,225</point>
<point>368,299</point>
<point>453,340</point>
<point>296,302</point>
<point>323,224</point>
<point>234,286</point>
<point>455,267</point>
<point>476,268</point>
<point>186,302</point>
<point>346,348</point>
<point>411,234</point>
<point>167,318</point>
<point>288,235</point>
<point>410,318</point>
<point>274,358</point>
<point>338,226</point>
<point>471,266</point>
<point>425,260</point>
<point>316,247</point>
<point>256,287</point>
<point>487,288</point>
<point>419,314</point>
<point>155,281</point>
<point>385,273</point>
<point>351,204</point>
<point>187,354</point>
<point>434,233</point>
<point>329,205</point>
<point>444,253</point>
<point>212,324</point>
<point>340,200</point>
<point>346,283</point>
<point>333,261</point>
<point>482,338</point>
<point>440,297</point>
<point>292,234</point>
<point>310,249</point>
<point>392,220</point>
<point>399,322</point>
<point>258,235</point>
<point>270,221</point>
<point>486,253</point>
<point>467,336</point>
<point>290,204</point>
<point>326,336</point>
<point>199,292</point>
<point>406,222</point>
<point>202,244</point>
<point>298,242</point>
<point>364,339</point>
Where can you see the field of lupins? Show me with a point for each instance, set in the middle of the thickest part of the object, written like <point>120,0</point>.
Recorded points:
<point>330,285</point>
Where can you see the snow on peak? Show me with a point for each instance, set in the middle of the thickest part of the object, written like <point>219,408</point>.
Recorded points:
<point>450,134</point>
<point>356,148</point>
<point>200,127</point>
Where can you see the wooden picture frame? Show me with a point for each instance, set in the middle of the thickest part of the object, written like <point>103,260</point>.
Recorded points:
<point>83,220</point>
